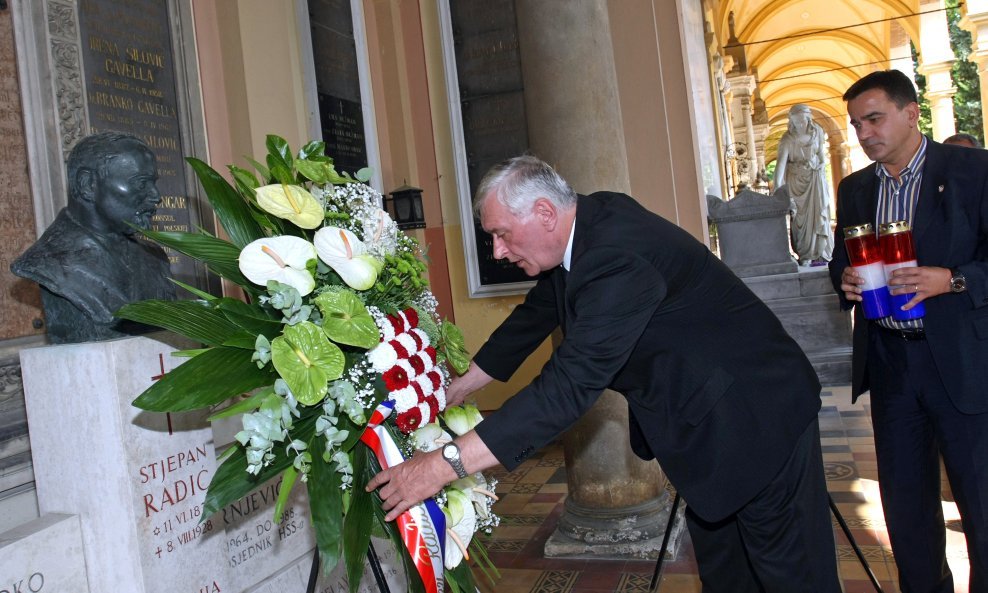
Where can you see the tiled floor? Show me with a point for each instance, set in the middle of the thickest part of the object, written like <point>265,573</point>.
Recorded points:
<point>532,496</point>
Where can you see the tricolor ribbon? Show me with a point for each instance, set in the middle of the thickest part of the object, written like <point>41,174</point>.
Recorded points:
<point>423,526</point>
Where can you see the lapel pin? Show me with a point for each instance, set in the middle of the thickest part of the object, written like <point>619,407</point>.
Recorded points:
<point>940,189</point>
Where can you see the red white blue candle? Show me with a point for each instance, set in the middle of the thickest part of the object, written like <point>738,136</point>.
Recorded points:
<point>896,240</point>
<point>866,259</point>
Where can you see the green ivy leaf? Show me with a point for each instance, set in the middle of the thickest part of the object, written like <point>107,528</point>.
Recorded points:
<point>346,320</point>
<point>307,361</point>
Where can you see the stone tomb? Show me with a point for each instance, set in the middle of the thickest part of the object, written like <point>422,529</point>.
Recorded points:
<point>136,479</point>
<point>43,555</point>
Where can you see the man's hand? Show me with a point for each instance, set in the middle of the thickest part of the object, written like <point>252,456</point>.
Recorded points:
<point>425,474</point>
<point>925,281</point>
<point>409,483</point>
<point>850,283</point>
<point>462,386</point>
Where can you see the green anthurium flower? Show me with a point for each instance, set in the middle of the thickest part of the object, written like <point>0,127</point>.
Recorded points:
<point>462,419</point>
<point>341,250</point>
<point>345,319</point>
<point>307,361</point>
<point>281,258</point>
<point>291,202</point>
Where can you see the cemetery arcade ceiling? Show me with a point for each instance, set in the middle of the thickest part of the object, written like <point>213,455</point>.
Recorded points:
<point>810,51</point>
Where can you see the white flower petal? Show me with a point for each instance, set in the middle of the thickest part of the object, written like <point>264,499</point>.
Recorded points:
<point>279,258</point>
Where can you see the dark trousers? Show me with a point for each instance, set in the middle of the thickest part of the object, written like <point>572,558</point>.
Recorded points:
<point>780,542</point>
<point>914,423</point>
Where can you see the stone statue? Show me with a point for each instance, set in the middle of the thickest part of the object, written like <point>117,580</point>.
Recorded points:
<point>89,262</point>
<point>800,168</point>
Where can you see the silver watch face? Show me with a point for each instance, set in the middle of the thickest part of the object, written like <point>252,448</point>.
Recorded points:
<point>958,283</point>
<point>451,451</point>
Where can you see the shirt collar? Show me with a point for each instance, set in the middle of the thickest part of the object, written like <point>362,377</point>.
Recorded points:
<point>568,256</point>
<point>914,163</point>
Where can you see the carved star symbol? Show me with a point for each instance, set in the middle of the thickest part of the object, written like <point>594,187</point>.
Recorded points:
<point>157,530</point>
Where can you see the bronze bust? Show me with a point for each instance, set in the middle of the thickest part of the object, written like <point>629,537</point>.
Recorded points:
<point>89,262</point>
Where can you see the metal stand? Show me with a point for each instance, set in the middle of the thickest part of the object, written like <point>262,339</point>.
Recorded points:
<point>375,565</point>
<point>653,586</point>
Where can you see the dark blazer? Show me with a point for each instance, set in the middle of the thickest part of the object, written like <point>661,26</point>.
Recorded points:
<point>718,391</point>
<point>950,230</point>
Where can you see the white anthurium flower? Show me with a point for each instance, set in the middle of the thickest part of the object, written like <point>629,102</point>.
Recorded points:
<point>291,202</point>
<point>281,258</point>
<point>462,419</point>
<point>341,250</point>
<point>461,521</point>
<point>426,438</point>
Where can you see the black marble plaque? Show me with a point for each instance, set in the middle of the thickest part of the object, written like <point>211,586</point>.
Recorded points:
<point>131,87</point>
<point>492,104</point>
<point>343,132</point>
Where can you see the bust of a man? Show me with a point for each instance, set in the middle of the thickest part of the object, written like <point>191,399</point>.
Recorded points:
<point>89,262</point>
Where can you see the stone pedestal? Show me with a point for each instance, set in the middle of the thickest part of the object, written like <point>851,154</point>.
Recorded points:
<point>806,305</point>
<point>752,233</point>
<point>617,505</point>
<point>43,555</point>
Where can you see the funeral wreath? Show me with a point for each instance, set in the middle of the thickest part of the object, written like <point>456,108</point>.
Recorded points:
<point>336,362</point>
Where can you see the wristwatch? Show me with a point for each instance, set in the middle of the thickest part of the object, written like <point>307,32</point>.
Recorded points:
<point>958,283</point>
<point>451,453</point>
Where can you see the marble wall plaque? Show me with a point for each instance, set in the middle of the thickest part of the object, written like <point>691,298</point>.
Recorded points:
<point>130,84</point>
<point>43,555</point>
<point>20,299</point>
<point>492,107</point>
<point>136,479</point>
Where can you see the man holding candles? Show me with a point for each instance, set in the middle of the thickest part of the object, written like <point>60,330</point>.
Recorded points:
<point>926,362</point>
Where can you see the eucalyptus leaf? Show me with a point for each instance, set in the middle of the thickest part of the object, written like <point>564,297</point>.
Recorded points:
<point>197,320</point>
<point>211,377</point>
<point>228,205</point>
<point>232,482</point>
<point>307,361</point>
<point>345,319</point>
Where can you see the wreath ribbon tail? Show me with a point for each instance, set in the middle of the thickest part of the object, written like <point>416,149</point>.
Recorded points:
<point>423,526</point>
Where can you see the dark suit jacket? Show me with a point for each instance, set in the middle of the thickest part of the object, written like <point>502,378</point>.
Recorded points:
<point>718,391</point>
<point>950,230</point>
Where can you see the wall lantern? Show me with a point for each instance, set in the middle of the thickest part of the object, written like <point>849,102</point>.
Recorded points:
<point>405,207</point>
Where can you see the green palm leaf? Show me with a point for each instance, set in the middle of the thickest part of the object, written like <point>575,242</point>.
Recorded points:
<point>250,317</point>
<point>197,320</point>
<point>221,256</point>
<point>327,516</point>
<point>204,380</point>
<point>359,519</point>
<point>229,206</point>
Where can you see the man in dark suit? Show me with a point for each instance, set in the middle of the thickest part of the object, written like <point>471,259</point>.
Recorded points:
<point>719,393</point>
<point>928,376</point>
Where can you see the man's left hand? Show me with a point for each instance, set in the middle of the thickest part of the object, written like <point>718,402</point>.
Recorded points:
<point>409,483</point>
<point>925,281</point>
